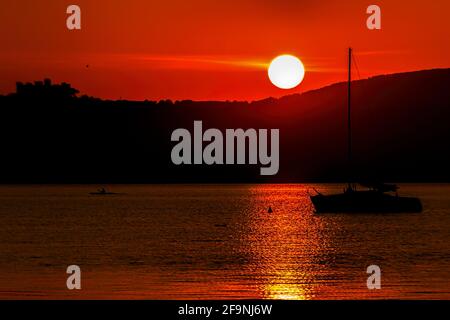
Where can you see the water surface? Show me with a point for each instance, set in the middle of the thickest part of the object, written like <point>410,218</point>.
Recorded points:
<point>217,242</point>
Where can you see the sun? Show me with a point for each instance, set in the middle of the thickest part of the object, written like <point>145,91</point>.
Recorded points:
<point>286,71</point>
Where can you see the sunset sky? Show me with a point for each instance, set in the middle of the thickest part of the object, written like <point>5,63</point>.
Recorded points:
<point>213,50</point>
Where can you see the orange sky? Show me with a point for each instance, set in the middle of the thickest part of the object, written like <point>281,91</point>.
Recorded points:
<point>205,49</point>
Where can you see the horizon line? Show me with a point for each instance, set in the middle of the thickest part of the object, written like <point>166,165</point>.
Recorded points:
<point>238,101</point>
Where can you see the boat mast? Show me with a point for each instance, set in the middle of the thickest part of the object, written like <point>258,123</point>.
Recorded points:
<point>349,120</point>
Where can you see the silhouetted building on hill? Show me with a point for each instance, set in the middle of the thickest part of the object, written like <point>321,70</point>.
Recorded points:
<point>45,90</point>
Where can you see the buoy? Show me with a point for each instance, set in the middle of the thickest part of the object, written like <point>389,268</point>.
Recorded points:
<point>270,210</point>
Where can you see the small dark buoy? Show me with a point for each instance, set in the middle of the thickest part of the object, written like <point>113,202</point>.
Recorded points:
<point>224,225</point>
<point>270,210</point>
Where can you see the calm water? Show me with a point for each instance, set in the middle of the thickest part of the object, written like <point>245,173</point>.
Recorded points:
<point>217,241</point>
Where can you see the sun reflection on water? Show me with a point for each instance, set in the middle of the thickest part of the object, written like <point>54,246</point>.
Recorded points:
<point>285,291</point>
<point>282,245</point>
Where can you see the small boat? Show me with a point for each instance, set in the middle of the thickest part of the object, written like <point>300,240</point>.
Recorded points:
<point>377,198</point>
<point>102,192</point>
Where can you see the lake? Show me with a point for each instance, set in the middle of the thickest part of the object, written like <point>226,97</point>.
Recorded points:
<point>217,242</point>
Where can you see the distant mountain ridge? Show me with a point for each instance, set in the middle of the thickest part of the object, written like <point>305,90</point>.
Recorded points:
<point>400,124</point>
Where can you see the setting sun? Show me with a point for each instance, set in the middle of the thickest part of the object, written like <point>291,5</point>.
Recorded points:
<point>286,71</point>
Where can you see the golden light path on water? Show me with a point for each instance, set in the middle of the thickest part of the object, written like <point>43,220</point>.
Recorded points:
<point>280,239</point>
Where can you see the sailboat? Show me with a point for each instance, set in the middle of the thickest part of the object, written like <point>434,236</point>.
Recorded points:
<point>376,197</point>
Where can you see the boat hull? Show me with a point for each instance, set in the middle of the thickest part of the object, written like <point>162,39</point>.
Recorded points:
<point>365,202</point>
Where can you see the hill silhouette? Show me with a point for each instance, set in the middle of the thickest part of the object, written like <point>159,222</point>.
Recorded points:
<point>401,129</point>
